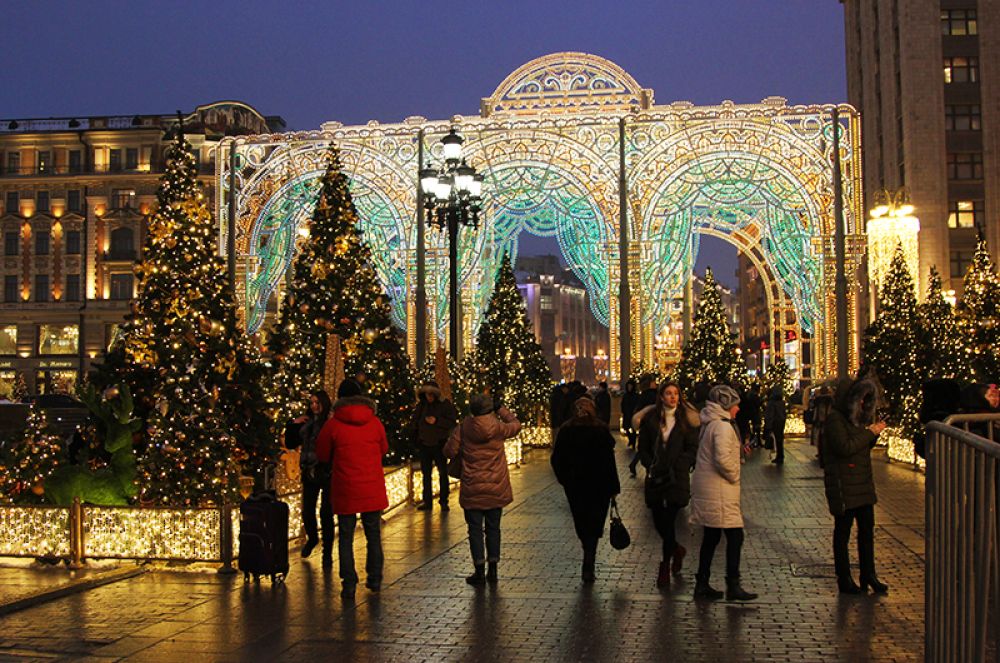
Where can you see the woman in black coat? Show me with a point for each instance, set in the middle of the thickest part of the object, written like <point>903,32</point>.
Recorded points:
<point>668,446</point>
<point>629,400</point>
<point>302,432</point>
<point>583,459</point>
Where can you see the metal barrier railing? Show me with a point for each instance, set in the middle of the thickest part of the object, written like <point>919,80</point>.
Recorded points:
<point>962,575</point>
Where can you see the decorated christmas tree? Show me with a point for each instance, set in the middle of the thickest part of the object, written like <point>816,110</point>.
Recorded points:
<point>777,375</point>
<point>891,345</point>
<point>335,305</point>
<point>197,379</point>
<point>508,361</point>
<point>29,459</point>
<point>711,354</point>
<point>943,349</point>
<point>980,315</point>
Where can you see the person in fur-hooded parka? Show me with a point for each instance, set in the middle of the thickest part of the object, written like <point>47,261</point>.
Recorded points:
<point>432,423</point>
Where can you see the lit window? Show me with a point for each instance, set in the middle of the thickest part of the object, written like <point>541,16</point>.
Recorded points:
<point>8,340</point>
<point>123,198</point>
<point>58,339</point>
<point>44,161</point>
<point>965,213</point>
<point>959,22</point>
<point>961,70</point>
<point>546,302</point>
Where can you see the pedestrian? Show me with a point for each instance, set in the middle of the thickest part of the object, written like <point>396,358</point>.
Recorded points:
<point>583,459</point>
<point>668,441</point>
<point>354,441</point>
<point>748,418</point>
<point>850,434</point>
<point>774,423</point>
<point>629,400</point>
<point>559,394</point>
<point>647,399</point>
<point>432,422</point>
<point>819,409</point>
<point>715,493</point>
<point>602,400</point>
<point>301,433</point>
<point>976,399</point>
<point>485,490</point>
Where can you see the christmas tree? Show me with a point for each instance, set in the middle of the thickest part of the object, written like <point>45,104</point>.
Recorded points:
<point>943,349</point>
<point>711,355</point>
<point>30,459</point>
<point>197,379</point>
<point>777,375</point>
<point>508,361</point>
<point>980,315</point>
<point>335,293</point>
<point>891,346</point>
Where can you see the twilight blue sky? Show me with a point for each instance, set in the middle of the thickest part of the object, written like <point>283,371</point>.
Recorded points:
<point>311,61</point>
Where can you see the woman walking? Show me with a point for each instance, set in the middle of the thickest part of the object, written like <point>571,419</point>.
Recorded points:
<point>668,443</point>
<point>485,490</point>
<point>302,433</point>
<point>850,433</point>
<point>774,422</point>
<point>715,493</point>
<point>354,441</point>
<point>629,400</point>
<point>583,459</point>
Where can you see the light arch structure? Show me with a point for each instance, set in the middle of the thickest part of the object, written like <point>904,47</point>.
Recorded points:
<point>571,146</point>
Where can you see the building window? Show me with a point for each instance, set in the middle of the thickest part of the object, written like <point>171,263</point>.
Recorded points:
<point>72,288</point>
<point>75,161</point>
<point>961,70</point>
<point>42,243</point>
<point>122,241</point>
<point>8,340</point>
<point>132,158</point>
<point>44,161</point>
<point>73,200</point>
<point>959,22</point>
<point>58,339</point>
<point>11,243</point>
<point>123,198</point>
<point>965,213</point>
<point>42,201</point>
<point>14,163</point>
<point>10,289</point>
<point>963,117</point>
<point>121,286</point>
<point>41,287</point>
<point>72,242</point>
<point>965,166</point>
<point>545,302</point>
<point>13,203</point>
<point>960,261</point>
<point>114,160</point>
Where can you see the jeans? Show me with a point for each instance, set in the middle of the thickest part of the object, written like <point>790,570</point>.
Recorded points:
<point>371,521</point>
<point>865,515</point>
<point>311,491</point>
<point>665,520</point>
<point>476,519</point>
<point>734,545</point>
<point>431,457</point>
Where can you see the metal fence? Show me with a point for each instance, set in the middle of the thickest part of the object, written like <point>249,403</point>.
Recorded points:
<point>962,578</point>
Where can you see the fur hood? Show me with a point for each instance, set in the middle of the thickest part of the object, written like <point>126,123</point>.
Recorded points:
<point>355,400</point>
<point>429,389</point>
<point>858,401</point>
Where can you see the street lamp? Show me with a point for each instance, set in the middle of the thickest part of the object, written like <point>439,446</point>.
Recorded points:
<point>891,223</point>
<point>601,366</point>
<point>452,197</point>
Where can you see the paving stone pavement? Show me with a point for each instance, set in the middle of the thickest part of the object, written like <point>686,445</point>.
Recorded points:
<point>540,611</point>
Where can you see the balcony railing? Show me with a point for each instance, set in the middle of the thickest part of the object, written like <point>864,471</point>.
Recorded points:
<point>92,169</point>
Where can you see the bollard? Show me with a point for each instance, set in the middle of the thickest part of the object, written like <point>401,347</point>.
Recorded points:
<point>76,552</point>
<point>226,540</point>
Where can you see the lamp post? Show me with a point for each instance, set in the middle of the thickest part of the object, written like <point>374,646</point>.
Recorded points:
<point>601,366</point>
<point>451,198</point>
<point>891,223</point>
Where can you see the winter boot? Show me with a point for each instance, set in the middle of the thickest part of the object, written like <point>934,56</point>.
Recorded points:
<point>478,577</point>
<point>491,573</point>
<point>678,559</point>
<point>736,593</point>
<point>702,590</point>
<point>663,577</point>
<point>587,573</point>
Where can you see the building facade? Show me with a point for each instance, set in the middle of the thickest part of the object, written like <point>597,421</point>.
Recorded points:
<point>76,195</point>
<point>926,77</point>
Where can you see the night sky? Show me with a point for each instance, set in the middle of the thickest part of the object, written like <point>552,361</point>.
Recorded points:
<point>310,62</point>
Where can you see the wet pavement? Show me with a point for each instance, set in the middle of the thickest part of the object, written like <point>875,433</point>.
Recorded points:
<point>540,610</point>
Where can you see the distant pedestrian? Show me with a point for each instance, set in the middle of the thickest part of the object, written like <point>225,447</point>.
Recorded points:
<point>302,433</point>
<point>980,399</point>
<point>819,409</point>
<point>668,442</point>
<point>852,429</point>
<point>774,423</point>
<point>630,398</point>
<point>432,423</point>
<point>602,400</point>
<point>559,394</point>
<point>715,493</point>
<point>354,441</point>
<point>748,418</point>
<point>647,398</point>
<point>583,458</point>
<point>485,489</point>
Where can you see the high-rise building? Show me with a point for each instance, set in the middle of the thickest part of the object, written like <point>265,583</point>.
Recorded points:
<point>76,195</point>
<point>925,75</point>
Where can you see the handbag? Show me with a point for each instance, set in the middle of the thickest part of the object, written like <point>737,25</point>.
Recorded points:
<point>617,532</point>
<point>455,464</point>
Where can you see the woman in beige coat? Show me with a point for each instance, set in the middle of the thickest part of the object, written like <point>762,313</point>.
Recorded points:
<point>715,493</point>
<point>485,489</point>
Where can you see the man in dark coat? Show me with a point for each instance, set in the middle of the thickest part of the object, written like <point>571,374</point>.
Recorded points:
<point>774,423</point>
<point>602,399</point>
<point>433,420</point>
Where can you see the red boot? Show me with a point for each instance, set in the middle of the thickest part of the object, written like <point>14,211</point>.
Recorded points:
<point>678,560</point>
<point>663,577</point>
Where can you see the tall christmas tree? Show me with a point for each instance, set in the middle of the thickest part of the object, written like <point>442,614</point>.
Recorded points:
<point>980,314</point>
<point>182,351</point>
<point>335,294</point>
<point>943,348</point>
<point>30,459</point>
<point>777,375</point>
<point>711,355</point>
<point>891,345</point>
<point>508,360</point>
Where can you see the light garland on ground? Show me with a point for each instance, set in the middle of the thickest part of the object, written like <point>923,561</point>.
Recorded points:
<point>536,437</point>
<point>34,531</point>
<point>900,448</point>
<point>794,425</point>
<point>181,534</point>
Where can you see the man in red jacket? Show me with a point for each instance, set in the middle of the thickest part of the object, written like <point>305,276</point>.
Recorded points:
<point>354,441</point>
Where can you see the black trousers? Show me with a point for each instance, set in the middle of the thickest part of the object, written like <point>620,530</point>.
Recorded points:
<point>779,444</point>
<point>734,546</point>
<point>665,521</point>
<point>431,457</point>
<point>865,516</point>
<point>311,491</point>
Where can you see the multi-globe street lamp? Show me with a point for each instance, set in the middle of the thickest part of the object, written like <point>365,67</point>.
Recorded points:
<point>891,224</point>
<point>451,197</point>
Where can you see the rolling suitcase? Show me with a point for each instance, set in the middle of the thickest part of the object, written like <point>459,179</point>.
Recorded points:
<point>264,538</point>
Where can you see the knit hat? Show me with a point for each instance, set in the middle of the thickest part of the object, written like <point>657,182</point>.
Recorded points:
<point>585,407</point>
<point>481,404</point>
<point>724,395</point>
<point>348,388</point>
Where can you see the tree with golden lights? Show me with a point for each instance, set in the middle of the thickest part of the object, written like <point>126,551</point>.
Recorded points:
<point>335,290</point>
<point>711,355</point>
<point>197,379</point>
<point>944,352</point>
<point>980,315</point>
<point>27,460</point>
